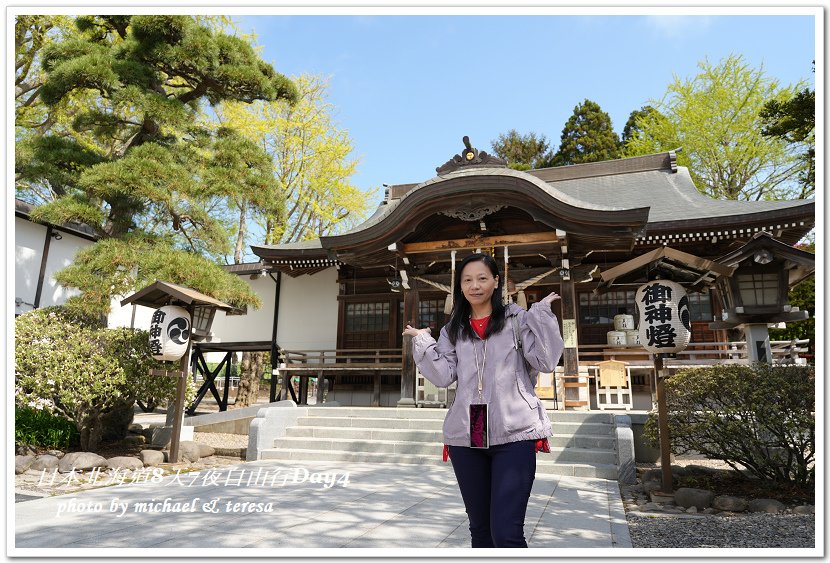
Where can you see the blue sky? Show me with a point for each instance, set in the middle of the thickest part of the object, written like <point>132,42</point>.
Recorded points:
<point>408,88</point>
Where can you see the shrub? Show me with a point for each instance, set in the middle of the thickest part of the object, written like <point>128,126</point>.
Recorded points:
<point>39,427</point>
<point>77,369</point>
<point>761,417</point>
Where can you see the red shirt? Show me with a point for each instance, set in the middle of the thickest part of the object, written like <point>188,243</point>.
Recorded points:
<point>480,325</point>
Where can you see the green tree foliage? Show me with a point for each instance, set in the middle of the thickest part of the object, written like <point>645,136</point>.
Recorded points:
<point>312,164</point>
<point>631,128</point>
<point>138,167</point>
<point>715,118</point>
<point>588,136</point>
<point>523,152</point>
<point>71,366</point>
<point>760,417</point>
<point>802,296</point>
<point>794,121</point>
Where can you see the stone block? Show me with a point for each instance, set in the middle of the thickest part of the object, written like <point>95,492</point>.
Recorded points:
<point>46,461</point>
<point>80,461</point>
<point>699,498</point>
<point>151,457</point>
<point>22,463</point>
<point>766,505</point>
<point>205,450</point>
<point>125,462</point>
<point>732,504</point>
<point>134,440</point>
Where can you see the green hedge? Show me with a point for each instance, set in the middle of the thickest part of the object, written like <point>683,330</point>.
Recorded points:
<point>78,369</point>
<point>760,417</point>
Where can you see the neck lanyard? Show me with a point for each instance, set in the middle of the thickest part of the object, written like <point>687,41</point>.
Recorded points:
<point>480,369</point>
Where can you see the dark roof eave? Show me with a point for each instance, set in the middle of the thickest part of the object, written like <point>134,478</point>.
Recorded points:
<point>805,211</point>
<point>421,202</point>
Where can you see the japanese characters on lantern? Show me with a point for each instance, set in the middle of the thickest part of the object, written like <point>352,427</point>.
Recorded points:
<point>169,333</point>
<point>665,323</point>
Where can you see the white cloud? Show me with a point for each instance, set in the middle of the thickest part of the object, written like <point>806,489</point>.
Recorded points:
<point>678,26</point>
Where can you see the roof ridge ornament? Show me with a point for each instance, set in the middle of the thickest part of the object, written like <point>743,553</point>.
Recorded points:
<point>470,157</point>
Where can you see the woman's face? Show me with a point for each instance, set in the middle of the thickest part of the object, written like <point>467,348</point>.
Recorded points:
<point>478,283</point>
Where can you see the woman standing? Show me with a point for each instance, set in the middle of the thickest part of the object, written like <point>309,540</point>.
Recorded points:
<point>496,423</point>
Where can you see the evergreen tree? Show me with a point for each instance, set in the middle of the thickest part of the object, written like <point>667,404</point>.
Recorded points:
<point>715,118</point>
<point>138,168</point>
<point>632,128</point>
<point>523,152</point>
<point>794,121</point>
<point>587,137</point>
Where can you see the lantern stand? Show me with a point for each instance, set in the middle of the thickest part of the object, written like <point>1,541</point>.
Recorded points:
<point>663,423</point>
<point>757,292</point>
<point>202,309</point>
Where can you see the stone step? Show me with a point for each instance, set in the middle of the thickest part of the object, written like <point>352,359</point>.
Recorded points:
<point>355,422</point>
<point>377,412</point>
<point>608,442</point>
<point>435,413</point>
<point>562,440</point>
<point>602,471</point>
<point>394,448</point>
<point>430,424</point>
<point>583,428</point>
<point>403,435</point>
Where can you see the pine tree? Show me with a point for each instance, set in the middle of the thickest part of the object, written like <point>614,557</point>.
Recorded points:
<point>587,137</point>
<point>138,168</point>
<point>523,152</point>
<point>794,121</point>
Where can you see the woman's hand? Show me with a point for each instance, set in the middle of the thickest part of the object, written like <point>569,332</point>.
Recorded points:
<point>550,298</point>
<point>412,331</point>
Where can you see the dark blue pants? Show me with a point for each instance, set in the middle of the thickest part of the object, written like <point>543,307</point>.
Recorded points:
<point>495,484</point>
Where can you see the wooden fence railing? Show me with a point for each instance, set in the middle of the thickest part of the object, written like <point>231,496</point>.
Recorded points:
<point>324,364</point>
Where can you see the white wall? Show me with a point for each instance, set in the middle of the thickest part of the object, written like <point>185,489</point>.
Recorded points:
<point>29,241</point>
<point>307,316</point>
<point>308,311</point>
<point>257,324</point>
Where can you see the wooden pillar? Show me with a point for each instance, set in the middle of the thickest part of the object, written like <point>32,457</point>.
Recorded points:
<point>663,425</point>
<point>410,316</point>
<point>576,387</point>
<point>178,405</point>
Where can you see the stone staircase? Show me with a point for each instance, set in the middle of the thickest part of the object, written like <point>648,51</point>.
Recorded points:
<point>584,444</point>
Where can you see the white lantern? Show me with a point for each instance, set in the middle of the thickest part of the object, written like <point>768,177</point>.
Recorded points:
<point>665,323</point>
<point>169,333</point>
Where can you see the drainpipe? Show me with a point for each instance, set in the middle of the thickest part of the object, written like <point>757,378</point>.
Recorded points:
<point>49,234</point>
<point>274,347</point>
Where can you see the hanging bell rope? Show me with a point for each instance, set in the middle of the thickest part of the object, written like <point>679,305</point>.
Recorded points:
<point>521,298</point>
<point>436,285</point>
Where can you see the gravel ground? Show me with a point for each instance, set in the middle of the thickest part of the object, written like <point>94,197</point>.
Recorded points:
<point>745,531</point>
<point>220,440</point>
<point>751,530</point>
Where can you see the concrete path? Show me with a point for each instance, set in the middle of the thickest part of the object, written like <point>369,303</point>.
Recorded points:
<point>313,505</point>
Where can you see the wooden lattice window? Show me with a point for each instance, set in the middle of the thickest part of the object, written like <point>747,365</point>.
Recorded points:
<point>431,314</point>
<point>366,325</point>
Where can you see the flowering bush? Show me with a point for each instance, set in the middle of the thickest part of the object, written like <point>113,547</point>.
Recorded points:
<point>75,368</point>
<point>761,417</point>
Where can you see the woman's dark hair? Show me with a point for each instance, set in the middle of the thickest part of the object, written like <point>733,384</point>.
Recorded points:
<point>460,320</point>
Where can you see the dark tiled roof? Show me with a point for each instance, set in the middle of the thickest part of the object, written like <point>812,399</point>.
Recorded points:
<point>24,210</point>
<point>670,196</point>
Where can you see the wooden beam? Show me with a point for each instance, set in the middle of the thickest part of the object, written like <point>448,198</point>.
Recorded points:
<point>479,242</point>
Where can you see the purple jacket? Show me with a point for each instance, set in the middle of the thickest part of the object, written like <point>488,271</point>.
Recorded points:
<point>514,410</point>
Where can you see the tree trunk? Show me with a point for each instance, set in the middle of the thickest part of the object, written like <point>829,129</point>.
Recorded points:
<point>250,371</point>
